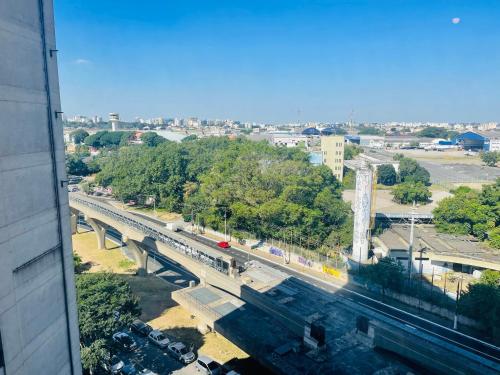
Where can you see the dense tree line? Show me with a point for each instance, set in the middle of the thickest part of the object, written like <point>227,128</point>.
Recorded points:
<point>436,132</point>
<point>261,189</point>
<point>471,212</point>
<point>108,139</point>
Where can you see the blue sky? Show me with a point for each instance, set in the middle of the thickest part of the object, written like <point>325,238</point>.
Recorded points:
<point>273,61</point>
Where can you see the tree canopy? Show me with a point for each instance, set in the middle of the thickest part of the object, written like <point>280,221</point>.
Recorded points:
<point>409,192</point>
<point>108,139</point>
<point>351,151</point>
<point>386,175</point>
<point>490,158</point>
<point>75,166</point>
<point>436,132</point>
<point>481,301</point>
<point>411,171</point>
<point>471,212</point>
<point>79,136</point>
<point>105,304</point>
<point>264,190</point>
<point>152,139</point>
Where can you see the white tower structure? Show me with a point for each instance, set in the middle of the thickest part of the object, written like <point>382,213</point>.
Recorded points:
<point>114,119</point>
<point>362,206</point>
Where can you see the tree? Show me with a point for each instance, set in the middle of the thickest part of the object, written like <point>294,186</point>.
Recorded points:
<point>151,139</point>
<point>388,273</point>
<point>189,138</point>
<point>78,136</point>
<point>94,355</point>
<point>77,262</point>
<point>369,130</point>
<point>105,304</point>
<point>435,132</point>
<point>465,213</point>
<point>411,171</point>
<point>481,302</point>
<point>494,238</point>
<point>408,192</point>
<point>490,158</point>
<point>386,174</point>
<point>76,167</point>
<point>351,151</point>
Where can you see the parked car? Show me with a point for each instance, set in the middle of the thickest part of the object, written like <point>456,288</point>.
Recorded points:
<point>223,244</point>
<point>129,370</point>
<point>113,365</point>
<point>138,326</point>
<point>208,366</point>
<point>124,341</point>
<point>179,351</point>
<point>158,338</point>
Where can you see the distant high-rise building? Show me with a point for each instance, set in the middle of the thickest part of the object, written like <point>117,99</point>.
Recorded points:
<point>332,148</point>
<point>114,119</point>
<point>38,315</point>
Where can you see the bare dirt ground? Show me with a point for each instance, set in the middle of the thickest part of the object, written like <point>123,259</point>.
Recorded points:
<point>384,202</point>
<point>158,308</point>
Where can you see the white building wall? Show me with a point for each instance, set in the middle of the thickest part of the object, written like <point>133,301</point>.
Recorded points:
<point>38,321</point>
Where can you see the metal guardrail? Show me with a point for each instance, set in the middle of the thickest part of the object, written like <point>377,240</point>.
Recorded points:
<point>183,248</point>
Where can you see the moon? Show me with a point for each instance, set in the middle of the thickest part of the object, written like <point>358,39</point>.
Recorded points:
<point>455,20</point>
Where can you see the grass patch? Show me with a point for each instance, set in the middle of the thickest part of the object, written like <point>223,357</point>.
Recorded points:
<point>126,264</point>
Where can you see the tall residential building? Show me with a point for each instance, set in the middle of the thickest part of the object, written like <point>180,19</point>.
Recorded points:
<point>38,315</point>
<point>332,148</point>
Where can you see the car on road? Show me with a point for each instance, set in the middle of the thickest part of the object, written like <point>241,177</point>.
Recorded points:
<point>179,351</point>
<point>208,366</point>
<point>134,369</point>
<point>158,338</point>
<point>223,244</point>
<point>113,365</point>
<point>138,326</point>
<point>124,341</point>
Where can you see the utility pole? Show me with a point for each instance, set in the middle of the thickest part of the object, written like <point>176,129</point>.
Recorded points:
<point>225,224</point>
<point>410,247</point>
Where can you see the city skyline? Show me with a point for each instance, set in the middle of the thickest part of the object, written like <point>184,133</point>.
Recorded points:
<point>282,61</point>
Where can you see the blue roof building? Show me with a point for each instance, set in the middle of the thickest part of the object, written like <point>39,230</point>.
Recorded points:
<point>471,141</point>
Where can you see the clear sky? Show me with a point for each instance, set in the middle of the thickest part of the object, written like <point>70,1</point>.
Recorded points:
<point>273,61</point>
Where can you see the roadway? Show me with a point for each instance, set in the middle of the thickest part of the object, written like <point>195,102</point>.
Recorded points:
<point>350,293</point>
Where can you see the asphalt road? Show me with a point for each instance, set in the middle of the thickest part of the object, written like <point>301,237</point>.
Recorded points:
<point>466,342</point>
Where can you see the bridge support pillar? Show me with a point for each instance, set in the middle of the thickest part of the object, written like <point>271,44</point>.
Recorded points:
<point>140,256</point>
<point>99,230</point>
<point>73,221</point>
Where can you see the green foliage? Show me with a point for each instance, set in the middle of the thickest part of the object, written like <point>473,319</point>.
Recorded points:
<point>408,192</point>
<point>77,262</point>
<point>108,139</point>
<point>470,212</point>
<point>151,139</point>
<point>386,174</point>
<point>482,302</point>
<point>125,264</point>
<point>398,157</point>
<point>264,190</point>
<point>369,130</point>
<point>490,158</point>
<point>190,138</point>
<point>94,355</point>
<point>100,296</point>
<point>351,151</point>
<point>349,180</point>
<point>435,132</point>
<point>75,166</point>
<point>78,136</point>
<point>411,171</point>
<point>388,273</point>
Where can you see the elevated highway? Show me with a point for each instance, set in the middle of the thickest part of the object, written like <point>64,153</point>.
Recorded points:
<point>216,268</point>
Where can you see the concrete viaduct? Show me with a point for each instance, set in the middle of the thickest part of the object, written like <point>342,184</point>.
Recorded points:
<point>218,269</point>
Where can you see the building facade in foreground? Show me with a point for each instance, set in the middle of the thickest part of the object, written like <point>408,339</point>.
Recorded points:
<point>38,316</point>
